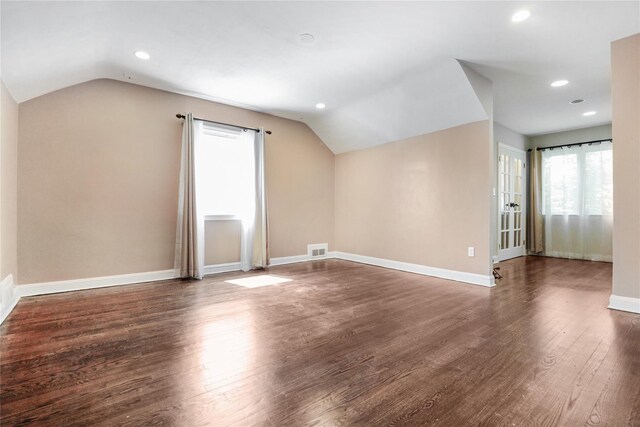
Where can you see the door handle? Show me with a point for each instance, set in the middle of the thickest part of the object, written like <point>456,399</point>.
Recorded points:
<point>513,205</point>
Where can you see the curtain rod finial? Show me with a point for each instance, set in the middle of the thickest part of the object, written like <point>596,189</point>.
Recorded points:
<point>180,116</point>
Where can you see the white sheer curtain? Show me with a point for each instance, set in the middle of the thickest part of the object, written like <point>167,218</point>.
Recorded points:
<point>577,189</point>
<point>253,244</point>
<point>189,253</point>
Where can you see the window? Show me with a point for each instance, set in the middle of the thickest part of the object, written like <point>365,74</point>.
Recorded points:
<point>599,182</point>
<point>225,172</point>
<point>560,183</point>
<point>578,180</point>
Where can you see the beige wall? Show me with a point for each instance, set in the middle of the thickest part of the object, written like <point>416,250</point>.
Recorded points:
<point>8,185</point>
<point>222,242</point>
<point>625,78</point>
<point>98,182</point>
<point>422,200</point>
<point>98,188</point>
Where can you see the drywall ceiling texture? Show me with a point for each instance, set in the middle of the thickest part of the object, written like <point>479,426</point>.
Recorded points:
<point>380,67</point>
<point>432,99</point>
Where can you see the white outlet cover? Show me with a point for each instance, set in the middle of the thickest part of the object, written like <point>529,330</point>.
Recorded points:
<point>471,251</point>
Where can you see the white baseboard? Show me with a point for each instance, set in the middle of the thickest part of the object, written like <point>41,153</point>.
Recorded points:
<point>9,298</point>
<point>631,305</point>
<point>458,276</point>
<point>298,258</point>
<point>221,268</point>
<point>235,266</point>
<point>18,291</point>
<point>123,279</point>
<point>91,283</point>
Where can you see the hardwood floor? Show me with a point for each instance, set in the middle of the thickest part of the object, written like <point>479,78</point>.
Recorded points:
<point>341,344</point>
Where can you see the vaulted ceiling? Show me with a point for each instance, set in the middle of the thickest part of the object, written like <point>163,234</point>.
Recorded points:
<point>385,70</point>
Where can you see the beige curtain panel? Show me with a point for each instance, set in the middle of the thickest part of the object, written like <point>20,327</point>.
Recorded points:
<point>189,254</point>
<point>535,220</point>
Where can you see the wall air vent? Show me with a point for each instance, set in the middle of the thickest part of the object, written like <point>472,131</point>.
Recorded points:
<point>318,250</point>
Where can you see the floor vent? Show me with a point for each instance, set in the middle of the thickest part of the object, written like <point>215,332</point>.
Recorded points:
<point>318,250</point>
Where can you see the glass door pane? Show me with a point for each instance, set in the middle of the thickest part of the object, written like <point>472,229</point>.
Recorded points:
<point>517,201</point>
<point>511,200</point>
<point>504,181</point>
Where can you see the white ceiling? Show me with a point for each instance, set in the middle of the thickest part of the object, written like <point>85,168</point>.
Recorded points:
<point>385,70</point>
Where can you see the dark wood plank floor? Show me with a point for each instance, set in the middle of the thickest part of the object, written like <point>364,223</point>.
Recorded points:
<point>341,344</point>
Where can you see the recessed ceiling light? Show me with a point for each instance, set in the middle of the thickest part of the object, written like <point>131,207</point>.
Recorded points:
<point>306,38</point>
<point>142,55</point>
<point>577,101</point>
<point>320,105</point>
<point>520,15</point>
<point>559,83</point>
<point>589,113</point>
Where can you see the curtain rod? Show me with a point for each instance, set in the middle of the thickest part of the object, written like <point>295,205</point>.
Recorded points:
<point>182,116</point>
<point>597,141</point>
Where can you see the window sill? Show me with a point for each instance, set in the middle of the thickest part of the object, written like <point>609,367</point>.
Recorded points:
<point>222,218</point>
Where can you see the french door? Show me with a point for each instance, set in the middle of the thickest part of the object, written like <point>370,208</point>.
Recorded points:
<point>511,203</point>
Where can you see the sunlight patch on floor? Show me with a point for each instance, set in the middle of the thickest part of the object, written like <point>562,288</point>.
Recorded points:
<point>258,281</point>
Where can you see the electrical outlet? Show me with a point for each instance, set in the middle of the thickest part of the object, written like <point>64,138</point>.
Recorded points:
<point>471,251</point>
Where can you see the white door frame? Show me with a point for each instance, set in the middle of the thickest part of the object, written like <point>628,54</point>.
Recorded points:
<point>504,254</point>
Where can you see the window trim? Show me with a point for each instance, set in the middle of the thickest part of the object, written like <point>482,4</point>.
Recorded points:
<point>222,218</point>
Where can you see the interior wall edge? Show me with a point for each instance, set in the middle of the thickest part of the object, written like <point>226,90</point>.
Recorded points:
<point>9,110</point>
<point>9,297</point>
<point>625,104</point>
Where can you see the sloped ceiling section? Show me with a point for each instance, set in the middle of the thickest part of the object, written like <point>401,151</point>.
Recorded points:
<point>436,97</point>
<point>482,86</point>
